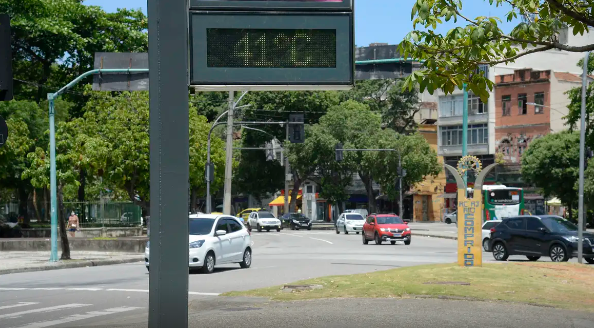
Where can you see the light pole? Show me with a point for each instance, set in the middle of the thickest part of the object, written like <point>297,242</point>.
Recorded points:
<point>465,131</point>
<point>582,163</point>
<point>208,165</point>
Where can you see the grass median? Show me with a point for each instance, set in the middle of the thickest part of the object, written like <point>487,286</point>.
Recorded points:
<point>561,285</point>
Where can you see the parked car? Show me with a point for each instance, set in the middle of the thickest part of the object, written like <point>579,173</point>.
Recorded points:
<point>487,232</point>
<point>450,218</point>
<point>539,235</point>
<point>263,220</point>
<point>350,222</point>
<point>386,227</point>
<point>215,240</point>
<point>297,221</point>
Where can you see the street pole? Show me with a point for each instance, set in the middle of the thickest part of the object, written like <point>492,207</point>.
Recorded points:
<point>582,159</point>
<point>53,193</point>
<point>229,156</point>
<point>286,160</point>
<point>400,185</point>
<point>169,163</point>
<point>208,182</point>
<point>465,131</point>
<point>51,97</point>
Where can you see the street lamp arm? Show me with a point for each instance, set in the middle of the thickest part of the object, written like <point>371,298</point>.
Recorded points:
<point>95,71</point>
<point>254,129</point>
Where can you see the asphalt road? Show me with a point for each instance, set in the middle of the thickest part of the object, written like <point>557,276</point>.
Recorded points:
<point>117,296</point>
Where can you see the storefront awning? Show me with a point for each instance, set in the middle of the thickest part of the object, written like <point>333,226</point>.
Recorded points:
<point>280,201</point>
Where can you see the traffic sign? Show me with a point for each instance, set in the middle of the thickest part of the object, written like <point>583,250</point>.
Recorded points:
<point>267,45</point>
<point>3,131</point>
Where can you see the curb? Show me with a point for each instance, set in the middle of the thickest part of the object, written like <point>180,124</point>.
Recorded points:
<point>434,236</point>
<point>67,265</point>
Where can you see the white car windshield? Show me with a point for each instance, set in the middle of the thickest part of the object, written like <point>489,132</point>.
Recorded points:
<point>266,215</point>
<point>201,226</point>
<point>353,217</point>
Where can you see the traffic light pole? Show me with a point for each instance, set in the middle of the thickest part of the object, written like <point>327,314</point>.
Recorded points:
<point>286,160</point>
<point>229,156</point>
<point>582,160</point>
<point>51,97</point>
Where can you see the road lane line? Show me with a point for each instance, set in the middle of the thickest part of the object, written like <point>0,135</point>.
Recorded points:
<point>85,289</point>
<point>204,294</point>
<point>13,289</point>
<point>329,242</point>
<point>127,290</point>
<point>47,309</point>
<point>78,317</point>
<point>46,288</point>
<point>17,305</point>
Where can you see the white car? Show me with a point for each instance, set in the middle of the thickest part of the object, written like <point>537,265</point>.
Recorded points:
<point>450,217</point>
<point>263,220</point>
<point>350,222</point>
<point>487,232</point>
<point>214,240</point>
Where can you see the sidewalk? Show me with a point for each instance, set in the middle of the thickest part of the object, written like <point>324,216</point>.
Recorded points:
<point>17,261</point>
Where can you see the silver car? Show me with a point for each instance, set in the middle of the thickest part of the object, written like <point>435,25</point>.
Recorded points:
<point>350,222</point>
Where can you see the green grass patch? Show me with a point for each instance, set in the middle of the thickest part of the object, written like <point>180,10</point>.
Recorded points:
<point>561,285</point>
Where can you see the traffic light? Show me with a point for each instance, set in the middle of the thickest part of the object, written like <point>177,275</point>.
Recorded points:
<point>5,59</point>
<point>339,152</point>
<point>296,131</point>
<point>209,172</point>
<point>589,155</point>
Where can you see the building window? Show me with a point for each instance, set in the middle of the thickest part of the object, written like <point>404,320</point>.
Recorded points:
<point>539,103</point>
<point>450,106</point>
<point>521,150</point>
<point>475,105</point>
<point>452,135</point>
<point>506,105</point>
<point>522,105</point>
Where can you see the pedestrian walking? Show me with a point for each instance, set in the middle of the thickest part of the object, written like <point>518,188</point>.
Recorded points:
<point>73,223</point>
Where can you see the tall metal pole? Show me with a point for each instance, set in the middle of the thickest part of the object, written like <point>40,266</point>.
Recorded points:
<point>582,160</point>
<point>465,131</point>
<point>286,160</point>
<point>169,163</point>
<point>53,191</point>
<point>208,198</point>
<point>400,185</point>
<point>229,156</point>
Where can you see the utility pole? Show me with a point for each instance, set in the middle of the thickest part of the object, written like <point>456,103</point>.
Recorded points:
<point>582,160</point>
<point>229,156</point>
<point>287,171</point>
<point>465,132</point>
<point>400,176</point>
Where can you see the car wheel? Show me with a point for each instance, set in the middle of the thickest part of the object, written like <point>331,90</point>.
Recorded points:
<point>486,244</point>
<point>448,221</point>
<point>407,242</point>
<point>292,227</point>
<point>259,227</point>
<point>278,229</point>
<point>337,231</point>
<point>588,259</point>
<point>378,240</point>
<point>247,259</point>
<point>309,228</point>
<point>558,253</point>
<point>533,258</point>
<point>500,252</point>
<point>209,263</point>
<point>267,229</point>
<point>393,242</point>
<point>357,232</point>
<point>345,231</point>
<point>365,241</point>
<point>147,268</point>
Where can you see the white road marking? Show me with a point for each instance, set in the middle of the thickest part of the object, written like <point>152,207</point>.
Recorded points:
<point>47,309</point>
<point>77,317</point>
<point>17,305</point>
<point>100,289</point>
<point>329,242</point>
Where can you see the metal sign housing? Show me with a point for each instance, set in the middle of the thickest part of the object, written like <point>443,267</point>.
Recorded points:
<point>327,5</point>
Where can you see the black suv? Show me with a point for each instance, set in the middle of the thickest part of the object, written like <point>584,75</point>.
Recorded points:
<point>298,221</point>
<point>539,235</point>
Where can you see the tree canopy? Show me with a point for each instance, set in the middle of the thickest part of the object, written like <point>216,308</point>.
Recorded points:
<point>448,58</point>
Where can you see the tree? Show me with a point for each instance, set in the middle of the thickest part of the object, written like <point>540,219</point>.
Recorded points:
<point>397,105</point>
<point>449,58</point>
<point>551,163</point>
<point>575,107</point>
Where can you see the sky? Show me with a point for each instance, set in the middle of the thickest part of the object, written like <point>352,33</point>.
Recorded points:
<point>381,21</point>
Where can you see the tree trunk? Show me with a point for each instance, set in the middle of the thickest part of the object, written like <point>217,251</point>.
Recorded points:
<point>35,207</point>
<point>294,193</point>
<point>46,204</point>
<point>82,178</point>
<point>23,198</point>
<point>193,200</point>
<point>46,73</point>
<point>62,225</point>
<point>368,181</point>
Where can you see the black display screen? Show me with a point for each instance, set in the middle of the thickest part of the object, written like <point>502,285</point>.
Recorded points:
<point>271,48</point>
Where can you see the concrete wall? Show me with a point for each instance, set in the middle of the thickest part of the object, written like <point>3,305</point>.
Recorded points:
<point>87,232</point>
<point>135,245</point>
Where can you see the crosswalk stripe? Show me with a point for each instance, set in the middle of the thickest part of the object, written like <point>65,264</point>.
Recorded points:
<point>47,309</point>
<point>77,317</point>
<point>17,305</point>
